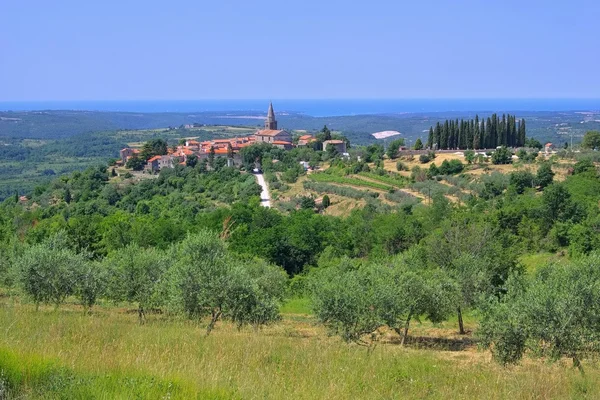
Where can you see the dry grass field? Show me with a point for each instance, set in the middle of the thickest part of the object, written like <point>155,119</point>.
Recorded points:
<point>560,169</point>
<point>109,355</point>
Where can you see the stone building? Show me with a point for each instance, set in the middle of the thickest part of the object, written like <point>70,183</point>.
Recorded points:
<point>339,145</point>
<point>271,134</point>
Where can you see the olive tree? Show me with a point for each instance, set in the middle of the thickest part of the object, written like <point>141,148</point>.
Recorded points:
<point>354,301</point>
<point>345,300</point>
<point>91,280</point>
<point>208,281</point>
<point>47,272</point>
<point>471,253</point>
<point>408,294</point>
<point>255,294</point>
<point>136,275</point>
<point>556,315</point>
<point>200,278</point>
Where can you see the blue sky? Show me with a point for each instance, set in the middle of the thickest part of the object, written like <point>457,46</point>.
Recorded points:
<point>206,49</point>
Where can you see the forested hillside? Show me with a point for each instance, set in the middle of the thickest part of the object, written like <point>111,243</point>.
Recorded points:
<point>34,146</point>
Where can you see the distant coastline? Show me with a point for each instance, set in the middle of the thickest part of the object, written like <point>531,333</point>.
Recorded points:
<point>315,108</point>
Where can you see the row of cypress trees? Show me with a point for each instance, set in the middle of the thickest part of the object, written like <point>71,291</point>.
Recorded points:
<point>478,134</point>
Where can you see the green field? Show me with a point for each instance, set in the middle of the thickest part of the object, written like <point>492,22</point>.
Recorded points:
<point>393,180</point>
<point>328,178</point>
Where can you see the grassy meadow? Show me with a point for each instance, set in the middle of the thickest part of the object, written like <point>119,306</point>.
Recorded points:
<point>109,355</point>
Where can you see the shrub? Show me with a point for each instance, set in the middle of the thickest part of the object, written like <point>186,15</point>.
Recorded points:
<point>491,185</point>
<point>545,175</point>
<point>400,166</point>
<point>502,156</point>
<point>591,140</point>
<point>451,167</point>
<point>521,180</point>
<point>418,174</point>
<point>306,202</point>
<point>469,156</point>
<point>583,166</point>
<point>433,171</point>
<point>424,158</point>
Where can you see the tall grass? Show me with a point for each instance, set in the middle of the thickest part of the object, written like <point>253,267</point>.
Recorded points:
<point>108,355</point>
<point>430,187</point>
<point>395,180</point>
<point>327,178</point>
<point>31,376</point>
<point>352,193</point>
<point>402,198</point>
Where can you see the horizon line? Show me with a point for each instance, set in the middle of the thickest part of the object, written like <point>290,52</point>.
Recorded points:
<point>302,99</point>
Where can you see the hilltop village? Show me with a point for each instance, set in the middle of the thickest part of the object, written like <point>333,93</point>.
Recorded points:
<point>229,148</point>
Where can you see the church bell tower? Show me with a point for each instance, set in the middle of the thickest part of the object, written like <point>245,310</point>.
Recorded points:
<point>271,122</point>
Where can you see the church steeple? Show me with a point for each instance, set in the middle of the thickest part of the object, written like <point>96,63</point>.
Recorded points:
<point>271,122</point>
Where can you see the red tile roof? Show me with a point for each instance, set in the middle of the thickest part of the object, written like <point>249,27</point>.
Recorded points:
<point>154,158</point>
<point>269,132</point>
<point>281,142</point>
<point>306,137</point>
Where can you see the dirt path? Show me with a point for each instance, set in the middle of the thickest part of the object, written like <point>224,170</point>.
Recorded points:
<point>265,197</point>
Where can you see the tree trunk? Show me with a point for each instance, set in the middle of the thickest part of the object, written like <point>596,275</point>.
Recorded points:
<point>577,364</point>
<point>461,326</point>
<point>213,320</point>
<point>141,315</point>
<point>406,325</point>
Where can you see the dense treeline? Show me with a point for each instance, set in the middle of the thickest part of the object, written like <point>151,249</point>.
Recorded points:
<point>476,134</point>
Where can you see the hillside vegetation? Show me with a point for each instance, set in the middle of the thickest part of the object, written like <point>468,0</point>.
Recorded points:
<point>453,275</point>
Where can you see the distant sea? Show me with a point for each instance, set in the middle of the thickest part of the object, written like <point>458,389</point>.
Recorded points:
<point>315,108</point>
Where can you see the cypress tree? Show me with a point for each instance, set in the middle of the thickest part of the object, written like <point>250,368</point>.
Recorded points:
<point>455,144</point>
<point>482,134</point>
<point>476,135</point>
<point>489,142</point>
<point>513,131</point>
<point>494,131</point>
<point>430,138</point>
<point>470,134</point>
<point>445,133</point>
<point>462,135</point>
<point>437,136</point>
<point>522,133</point>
